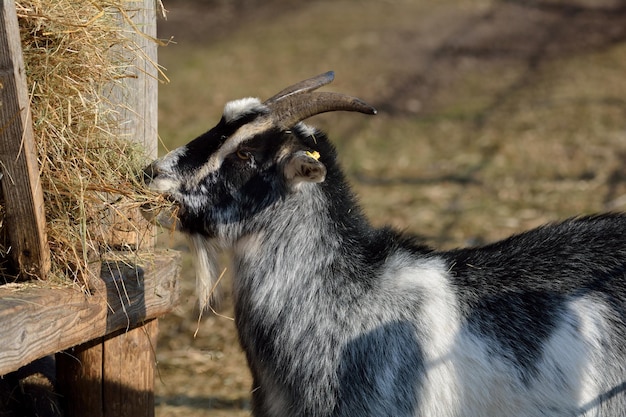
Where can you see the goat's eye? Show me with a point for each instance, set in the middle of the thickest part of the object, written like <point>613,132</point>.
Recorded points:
<point>243,155</point>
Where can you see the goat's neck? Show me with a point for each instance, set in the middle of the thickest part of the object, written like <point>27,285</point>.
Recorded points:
<point>300,244</point>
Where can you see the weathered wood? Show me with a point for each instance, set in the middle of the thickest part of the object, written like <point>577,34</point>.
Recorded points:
<point>127,362</point>
<point>79,379</point>
<point>37,321</point>
<point>137,93</point>
<point>129,367</point>
<point>135,99</point>
<point>21,187</point>
<point>113,374</point>
<point>126,358</point>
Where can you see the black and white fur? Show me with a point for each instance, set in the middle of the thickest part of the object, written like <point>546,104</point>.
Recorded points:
<point>338,318</point>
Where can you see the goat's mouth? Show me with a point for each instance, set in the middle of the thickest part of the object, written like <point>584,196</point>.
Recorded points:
<point>161,207</point>
<point>164,213</point>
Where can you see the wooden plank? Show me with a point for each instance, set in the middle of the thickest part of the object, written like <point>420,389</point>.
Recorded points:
<point>79,379</point>
<point>21,187</point>
<point>129,368</point>
<point>126,358</point>
<point>37,321</point>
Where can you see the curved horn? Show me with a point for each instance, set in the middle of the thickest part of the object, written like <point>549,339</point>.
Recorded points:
<point>293,109</point>
<point>305,86</point>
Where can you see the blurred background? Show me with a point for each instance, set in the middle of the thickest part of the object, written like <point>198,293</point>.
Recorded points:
<point>494,117</point>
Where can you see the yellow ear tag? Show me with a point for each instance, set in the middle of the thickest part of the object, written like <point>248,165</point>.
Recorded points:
<point>315,155</point>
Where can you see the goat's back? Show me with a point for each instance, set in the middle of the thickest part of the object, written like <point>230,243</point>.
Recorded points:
<point>550,305</point>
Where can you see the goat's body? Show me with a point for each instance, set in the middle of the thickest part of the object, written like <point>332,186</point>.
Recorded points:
<point>341,319</point>
<point>473,332</point>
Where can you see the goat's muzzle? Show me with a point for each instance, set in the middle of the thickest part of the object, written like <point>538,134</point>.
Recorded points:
<point>163,211</point>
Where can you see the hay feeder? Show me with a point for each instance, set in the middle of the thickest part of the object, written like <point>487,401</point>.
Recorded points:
<point>87,285</point>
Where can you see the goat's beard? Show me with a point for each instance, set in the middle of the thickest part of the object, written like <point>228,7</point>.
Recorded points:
<point>207,268</point>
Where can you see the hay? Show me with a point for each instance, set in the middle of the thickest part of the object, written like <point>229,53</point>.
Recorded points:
<point>75,51</point>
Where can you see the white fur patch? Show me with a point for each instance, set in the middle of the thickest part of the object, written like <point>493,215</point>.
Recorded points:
<point>307,130</point>
<point>164,182</point>
<point>439,309</point>
<point>440,321</point>
<point>206,264</point>
<point>236,109</point>
<point>245,132</point>
<point>577,352</point>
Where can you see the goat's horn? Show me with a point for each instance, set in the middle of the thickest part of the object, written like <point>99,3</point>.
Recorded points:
<point>305,86</point>
<point>293,109</point>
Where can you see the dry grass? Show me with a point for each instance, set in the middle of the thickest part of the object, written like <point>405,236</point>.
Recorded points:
<point>76,53</point>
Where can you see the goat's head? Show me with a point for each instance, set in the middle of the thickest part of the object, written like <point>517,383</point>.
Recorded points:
<point>256,153</point>
<point>259,153</point>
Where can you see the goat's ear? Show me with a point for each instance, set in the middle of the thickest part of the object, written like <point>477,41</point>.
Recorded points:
<point>304,166</point>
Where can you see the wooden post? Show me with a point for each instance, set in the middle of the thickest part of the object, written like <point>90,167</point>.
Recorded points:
<point>112,378</point>
<point>126,359</point>
<point>136,98</point>
<point>82,371</point>
<point>129,367</point>
<point>21,187</point>
<point>129,362</point>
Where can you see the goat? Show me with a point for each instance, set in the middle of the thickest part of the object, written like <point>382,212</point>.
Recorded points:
<point>338,318</point>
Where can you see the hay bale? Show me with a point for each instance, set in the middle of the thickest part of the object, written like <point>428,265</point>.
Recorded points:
<point>75,53</point>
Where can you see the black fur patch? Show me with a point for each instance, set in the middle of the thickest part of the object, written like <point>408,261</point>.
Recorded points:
<point>513,291</point>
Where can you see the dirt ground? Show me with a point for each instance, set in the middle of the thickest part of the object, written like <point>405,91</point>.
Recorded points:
<point>494,116</point>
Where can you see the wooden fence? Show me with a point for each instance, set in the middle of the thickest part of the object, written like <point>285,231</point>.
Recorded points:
<point>104,341</point>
